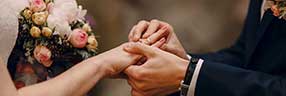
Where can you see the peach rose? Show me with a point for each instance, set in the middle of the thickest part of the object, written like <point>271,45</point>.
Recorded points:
<point>78,38</point>
<point>276,11</point>
<point>43,55</point>
<point>35,32</point>
<point>47,32</point>
<point>92,43</point>
<point>40,18</point>
<point>37,5</point>
<point>86,28</point>
<point>27,13</point>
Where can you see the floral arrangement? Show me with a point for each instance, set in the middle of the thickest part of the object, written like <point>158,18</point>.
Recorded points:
<point>278,7</point>
<point>55,30</point>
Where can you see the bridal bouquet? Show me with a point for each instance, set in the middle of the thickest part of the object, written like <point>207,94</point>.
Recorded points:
<point>53,32</point>
<point>278,7</point>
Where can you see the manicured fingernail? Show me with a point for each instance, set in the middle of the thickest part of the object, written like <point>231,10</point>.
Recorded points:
<point>145,36</point>
<point>163,40</point>
<point>163,30</point>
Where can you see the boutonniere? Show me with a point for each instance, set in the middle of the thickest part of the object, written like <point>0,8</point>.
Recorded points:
<point>278,7</point>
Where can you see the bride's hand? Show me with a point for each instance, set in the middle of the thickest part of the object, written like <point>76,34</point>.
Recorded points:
<point>114,61</point>
<point>151,32</point>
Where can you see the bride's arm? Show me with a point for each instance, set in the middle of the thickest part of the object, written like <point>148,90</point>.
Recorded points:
<point>74,82</point>
<point>6,85</point>
<point>77,80</point>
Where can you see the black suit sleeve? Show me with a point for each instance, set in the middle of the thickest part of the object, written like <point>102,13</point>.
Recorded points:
<point>234,55</point>
<point>216,79</point>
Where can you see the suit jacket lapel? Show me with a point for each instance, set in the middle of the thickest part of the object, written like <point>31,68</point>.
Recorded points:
<point>266,20</point>
<point>251,26</point>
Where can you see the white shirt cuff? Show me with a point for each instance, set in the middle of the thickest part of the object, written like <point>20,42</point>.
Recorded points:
<point>189,56</point>
<point>191,91</point>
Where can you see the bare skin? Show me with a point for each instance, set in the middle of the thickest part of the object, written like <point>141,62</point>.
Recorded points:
<point>152,76</point>
<point>153,31</point>
<point>160,75</point>
<point>75,81</point>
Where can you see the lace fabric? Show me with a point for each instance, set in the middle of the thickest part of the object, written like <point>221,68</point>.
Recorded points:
<point>9,25</point>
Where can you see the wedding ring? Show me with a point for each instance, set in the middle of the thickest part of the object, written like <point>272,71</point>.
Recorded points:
<point>144,41</point>
<point>148,41</point>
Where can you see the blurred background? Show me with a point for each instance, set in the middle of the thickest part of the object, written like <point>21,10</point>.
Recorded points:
<point>201,25</point>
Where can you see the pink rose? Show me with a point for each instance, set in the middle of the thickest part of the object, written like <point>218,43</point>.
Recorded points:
<point>37,5</point>
<point>43,55</point>
<point>78,38</point>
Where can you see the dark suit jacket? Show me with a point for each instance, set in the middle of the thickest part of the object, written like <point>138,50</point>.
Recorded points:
<point>254,66</point>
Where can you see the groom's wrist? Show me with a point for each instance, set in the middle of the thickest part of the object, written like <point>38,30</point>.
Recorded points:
<point>183,66</point>
<point>185,83</point>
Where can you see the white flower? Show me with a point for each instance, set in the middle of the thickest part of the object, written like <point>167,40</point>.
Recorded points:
<point>63,13</point>
<point>69,9</point>
<point>81,13</point>
<point>61,26</point>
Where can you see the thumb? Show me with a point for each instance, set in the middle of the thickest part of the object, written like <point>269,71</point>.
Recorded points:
<point>131,70</point>
<point>139,48</point>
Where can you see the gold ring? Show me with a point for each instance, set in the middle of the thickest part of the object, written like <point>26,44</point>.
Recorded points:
<point>148,41</point>
<point>144,41</point>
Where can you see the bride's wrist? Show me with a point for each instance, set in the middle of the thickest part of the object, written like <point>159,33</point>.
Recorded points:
<point>104,67</point>
<point>98,66</point>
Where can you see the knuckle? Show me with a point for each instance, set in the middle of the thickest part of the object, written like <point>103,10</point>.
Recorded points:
<point>139,74</point>
<point>133,75</point>
<point>130,36</point>
<point>137,32</point>
<point>141,87</point>
<point>129,73</point>
<point>142,22</point>
<point>154,21</point>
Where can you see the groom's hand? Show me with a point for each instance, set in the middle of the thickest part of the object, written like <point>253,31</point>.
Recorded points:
<point>151,32</point>
<point>160,75</point>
